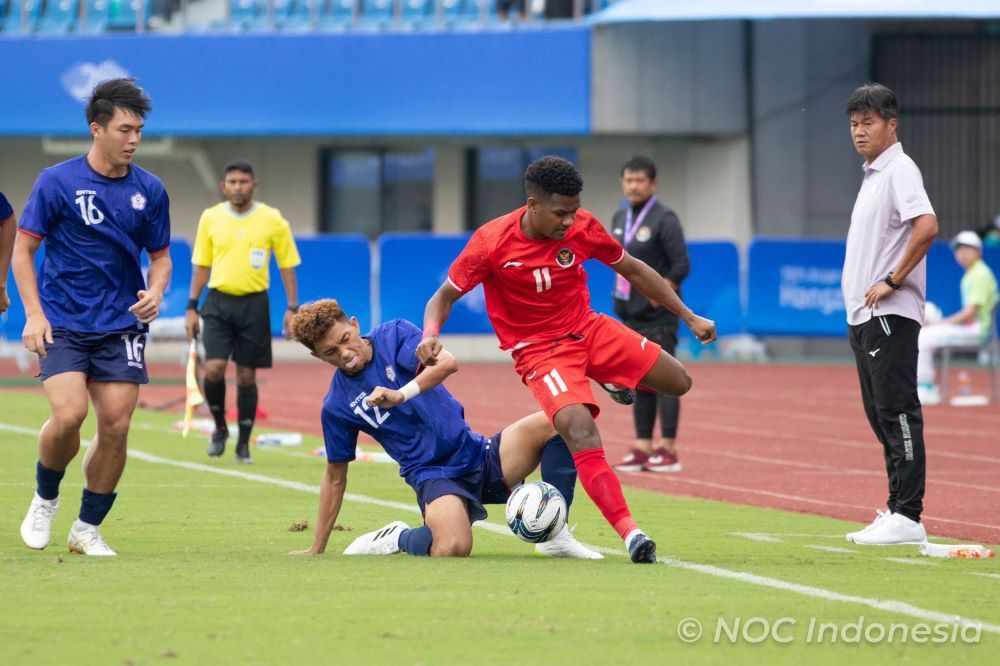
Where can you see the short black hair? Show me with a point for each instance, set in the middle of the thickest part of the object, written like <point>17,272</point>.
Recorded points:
<point>116,94</point>
<point>873,97</point>
<point>641,163</point>
<point>237,165</point>
<point>552,175</point>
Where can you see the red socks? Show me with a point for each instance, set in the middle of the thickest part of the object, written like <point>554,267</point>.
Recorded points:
<point>601,484</point>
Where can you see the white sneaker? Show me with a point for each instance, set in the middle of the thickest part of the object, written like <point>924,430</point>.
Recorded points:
<point>896,530</point>
<point>879,517</point>
<point>564,545</point>
<point>86,539</point>
<point>928,394</point>
<point>36,528</point>
<point>380,542</point>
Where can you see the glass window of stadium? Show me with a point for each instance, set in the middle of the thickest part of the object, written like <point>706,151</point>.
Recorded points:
<point>496,178</point>
<point>372,192</point>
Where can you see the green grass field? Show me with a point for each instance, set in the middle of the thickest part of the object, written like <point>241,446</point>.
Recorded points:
<point>203,577</point>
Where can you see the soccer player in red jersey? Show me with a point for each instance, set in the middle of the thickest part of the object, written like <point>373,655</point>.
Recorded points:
<point>529,263</point>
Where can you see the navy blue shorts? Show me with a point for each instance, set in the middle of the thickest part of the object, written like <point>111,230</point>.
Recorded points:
<point>102,357</point>
<point>483,486</point>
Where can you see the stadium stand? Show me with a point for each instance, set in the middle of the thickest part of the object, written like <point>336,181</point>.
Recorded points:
<point>336,15</point>
<point>59,17</point>
<point>243,13</point>
<point>125,14</point>
<point>98,15</point>
<point>417,13</point>
<point>56,17</point>
<point>21,16</point>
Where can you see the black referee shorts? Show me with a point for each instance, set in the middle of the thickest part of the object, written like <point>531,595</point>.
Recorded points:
<point>237,327</point>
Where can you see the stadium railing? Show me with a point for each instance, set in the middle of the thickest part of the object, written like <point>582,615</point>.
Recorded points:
<point>55,17</point>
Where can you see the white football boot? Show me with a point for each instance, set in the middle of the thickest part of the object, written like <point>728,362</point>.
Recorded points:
<point>896,530</point>
<point>36,528</point>
<point>564,545</point>
<point>380,542</point>
<point>86,540</point>
<point>879,517</point>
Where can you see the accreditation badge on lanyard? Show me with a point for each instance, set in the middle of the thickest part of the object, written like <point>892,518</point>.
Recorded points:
<point>623,288</point>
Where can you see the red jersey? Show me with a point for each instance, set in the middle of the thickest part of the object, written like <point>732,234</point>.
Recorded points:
<point>536,290</point>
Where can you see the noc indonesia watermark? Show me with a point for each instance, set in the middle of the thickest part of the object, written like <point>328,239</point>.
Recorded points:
<point>737,629</point>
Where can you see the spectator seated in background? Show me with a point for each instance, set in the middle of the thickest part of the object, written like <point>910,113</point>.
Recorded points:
<point>968,326</point>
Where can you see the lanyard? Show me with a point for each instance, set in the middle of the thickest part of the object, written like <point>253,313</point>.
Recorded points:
<point>632,226</point>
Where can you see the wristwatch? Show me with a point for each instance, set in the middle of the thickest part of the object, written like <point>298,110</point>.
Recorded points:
<point>888,281</point>
<point>294,309</point>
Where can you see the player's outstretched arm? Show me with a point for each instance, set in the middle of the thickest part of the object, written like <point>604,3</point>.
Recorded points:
<point>435,315</point>
<point>425,381</point>
<point>654,287</point>
<point>331,497</point>
<point>37,330</point>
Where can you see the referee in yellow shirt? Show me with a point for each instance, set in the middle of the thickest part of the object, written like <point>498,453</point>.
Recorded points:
<point>234,244</point>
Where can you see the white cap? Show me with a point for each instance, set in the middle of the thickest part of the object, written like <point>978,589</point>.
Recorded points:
<point>970,238</point>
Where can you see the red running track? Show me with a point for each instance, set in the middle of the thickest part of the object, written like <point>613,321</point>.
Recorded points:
<point>787,436</point>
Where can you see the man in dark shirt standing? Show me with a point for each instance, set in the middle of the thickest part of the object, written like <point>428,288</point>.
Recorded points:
<point>651,232</point>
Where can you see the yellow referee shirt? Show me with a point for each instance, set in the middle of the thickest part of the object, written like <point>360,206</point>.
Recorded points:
<point>237,247</point>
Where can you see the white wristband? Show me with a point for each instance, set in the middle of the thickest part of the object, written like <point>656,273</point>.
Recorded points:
<point>410,391</point>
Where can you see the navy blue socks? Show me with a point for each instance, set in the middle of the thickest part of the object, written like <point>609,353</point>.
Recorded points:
<point>95,506</point>
<point>47,481</point>
<point>416,541</point>
<point>558,468</point>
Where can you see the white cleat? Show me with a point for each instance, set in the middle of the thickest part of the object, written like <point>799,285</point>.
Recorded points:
<point>86,540</point>
<point>879,517</point>
<point>564,545</point>
<point>36,528</point>
<point>894,530</point>
<point>380,542</point>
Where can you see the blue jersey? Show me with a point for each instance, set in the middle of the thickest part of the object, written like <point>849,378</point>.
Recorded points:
<point>95,229</point>
<point>427,436</point>
<point>6,210</point>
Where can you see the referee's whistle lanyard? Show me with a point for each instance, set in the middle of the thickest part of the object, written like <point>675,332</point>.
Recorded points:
<point>623,289</point>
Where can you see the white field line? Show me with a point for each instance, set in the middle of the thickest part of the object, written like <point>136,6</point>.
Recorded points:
<point>985,575</point>
<point>832,549</point>
<point>280,450</point>
<point>906,560</point>
<point>757,536</point>
<point>887,605</point>
<point>804,535</point>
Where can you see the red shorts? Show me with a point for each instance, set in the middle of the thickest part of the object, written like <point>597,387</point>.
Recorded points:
<point>607,351</point>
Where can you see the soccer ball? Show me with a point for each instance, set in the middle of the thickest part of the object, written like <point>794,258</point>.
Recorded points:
<point>536,511</point>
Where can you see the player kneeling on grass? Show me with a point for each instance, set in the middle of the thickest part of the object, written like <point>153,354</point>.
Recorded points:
<point>453,471</point>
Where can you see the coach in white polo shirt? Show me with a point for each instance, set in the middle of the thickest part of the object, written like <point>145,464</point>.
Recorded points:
<point>884,283</point>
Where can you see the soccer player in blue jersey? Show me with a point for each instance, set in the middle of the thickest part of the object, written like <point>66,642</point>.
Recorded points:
<point>379,390</point>
<point>8,227</point>
<point>87,314</point>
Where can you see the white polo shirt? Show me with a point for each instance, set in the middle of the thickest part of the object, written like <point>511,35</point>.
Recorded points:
<point>892,195</point>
